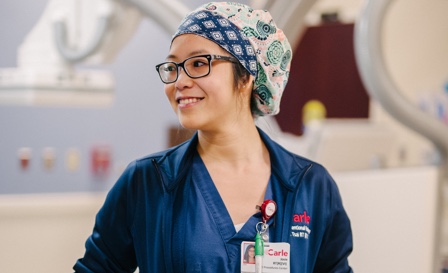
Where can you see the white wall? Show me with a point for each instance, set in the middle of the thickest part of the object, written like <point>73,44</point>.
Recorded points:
<point>393,217</point>
<point>45,232</point>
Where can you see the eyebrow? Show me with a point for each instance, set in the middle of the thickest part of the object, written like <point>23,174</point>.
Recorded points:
<point>193,53</point>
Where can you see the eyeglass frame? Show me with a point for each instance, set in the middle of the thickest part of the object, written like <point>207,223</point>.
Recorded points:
<point>209,57</point>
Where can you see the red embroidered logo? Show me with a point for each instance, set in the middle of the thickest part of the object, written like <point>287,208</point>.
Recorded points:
<point>300,228</point>
<point>301,218</point>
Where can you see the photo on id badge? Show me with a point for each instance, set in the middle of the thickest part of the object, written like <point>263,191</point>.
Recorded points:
<point>247,257</point>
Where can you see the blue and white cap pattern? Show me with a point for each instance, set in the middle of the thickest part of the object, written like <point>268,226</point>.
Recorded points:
<point>224,33</point>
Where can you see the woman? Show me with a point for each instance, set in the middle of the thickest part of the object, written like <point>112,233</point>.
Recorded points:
<point>249,255</point>
<point>188,209</point>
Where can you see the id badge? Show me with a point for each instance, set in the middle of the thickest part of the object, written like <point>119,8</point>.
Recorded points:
<point>276,257</point>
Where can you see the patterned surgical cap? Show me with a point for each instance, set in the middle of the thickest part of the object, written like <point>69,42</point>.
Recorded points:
<point>253,38</point>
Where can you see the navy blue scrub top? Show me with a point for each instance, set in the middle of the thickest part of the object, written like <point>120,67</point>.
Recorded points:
<point>212,239</point>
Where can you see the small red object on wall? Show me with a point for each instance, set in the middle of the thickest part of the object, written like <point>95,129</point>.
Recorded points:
<point>24,155</point>
<point>101,160</point>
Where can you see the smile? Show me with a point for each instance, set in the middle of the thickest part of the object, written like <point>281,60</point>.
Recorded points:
<point>188,101</point>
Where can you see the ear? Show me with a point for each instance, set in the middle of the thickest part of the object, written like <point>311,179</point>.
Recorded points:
<point>246,85</point>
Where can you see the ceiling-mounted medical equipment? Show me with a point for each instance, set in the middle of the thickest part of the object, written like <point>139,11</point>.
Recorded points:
<point>69,32</point>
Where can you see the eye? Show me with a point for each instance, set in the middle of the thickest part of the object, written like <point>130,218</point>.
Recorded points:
<point>199,63</point>
<point>169,68</point>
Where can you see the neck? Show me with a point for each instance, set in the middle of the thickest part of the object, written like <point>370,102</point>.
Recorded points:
<point>238,146</point>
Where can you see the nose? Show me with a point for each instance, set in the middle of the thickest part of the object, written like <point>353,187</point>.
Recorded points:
<point>183,80</point>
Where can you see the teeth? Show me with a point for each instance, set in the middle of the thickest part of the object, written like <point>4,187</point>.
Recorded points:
<point>187,101</point>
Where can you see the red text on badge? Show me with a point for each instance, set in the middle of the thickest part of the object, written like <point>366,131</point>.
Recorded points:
<point>272,252</point>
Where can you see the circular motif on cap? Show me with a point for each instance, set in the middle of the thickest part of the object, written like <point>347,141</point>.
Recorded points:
<point>285,60</point>
<point>265,29</point>
<point>263,94</point>
<point>275,52</point>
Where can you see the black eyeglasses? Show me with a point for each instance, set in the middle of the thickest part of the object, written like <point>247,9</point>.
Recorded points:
<point>195,67</point>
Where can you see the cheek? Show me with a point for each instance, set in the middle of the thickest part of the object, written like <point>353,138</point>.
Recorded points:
<point>169,91</point>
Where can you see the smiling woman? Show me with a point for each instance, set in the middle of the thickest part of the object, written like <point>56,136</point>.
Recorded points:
<point>195,206</point>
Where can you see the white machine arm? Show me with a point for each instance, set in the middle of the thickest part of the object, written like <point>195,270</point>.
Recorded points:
<point>167,14</point>
<point>73,56</point>
<point>376,77</point>
<point>70,32</point>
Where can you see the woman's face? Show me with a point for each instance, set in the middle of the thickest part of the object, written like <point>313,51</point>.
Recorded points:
<point>251,252</point>
<point>208,103</point>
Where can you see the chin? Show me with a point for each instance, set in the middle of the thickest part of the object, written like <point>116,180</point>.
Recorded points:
<point>203,122</point>
<point>189,124</point>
